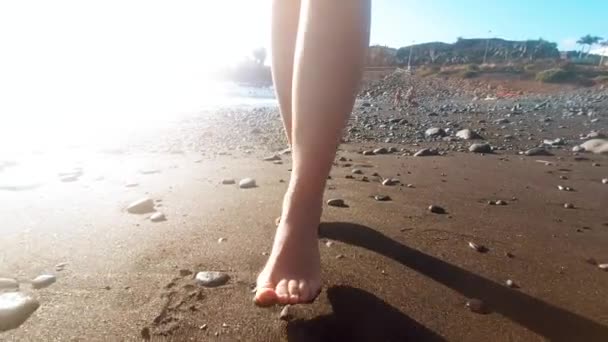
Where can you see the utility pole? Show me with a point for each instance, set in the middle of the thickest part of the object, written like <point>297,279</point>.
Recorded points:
<point>485,54</point>
<point>409,59</point>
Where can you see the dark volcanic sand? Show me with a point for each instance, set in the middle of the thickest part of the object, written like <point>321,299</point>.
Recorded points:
<point>395,270</point>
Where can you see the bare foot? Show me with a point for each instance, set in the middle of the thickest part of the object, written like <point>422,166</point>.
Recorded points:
<point>293,271</point>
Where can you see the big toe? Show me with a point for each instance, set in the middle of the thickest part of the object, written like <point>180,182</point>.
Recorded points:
<point>265,296</point>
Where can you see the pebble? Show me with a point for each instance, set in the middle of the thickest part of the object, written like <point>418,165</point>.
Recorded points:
<point>434,132</point>
<point>142,206</point>
<point>436,209</point>
<point>228,181</point>
<point>476,306</point>
<point>537,151</point>
<point>15,308</point>
<point>603,267</point>
<point>247,183</point>
<point>336,202</point>
<point>285,315</point>
<point>467,134</point>
<point>368,153</point>
<point>382,198</point>
<point>9,284</point>
<point>501,202</point>
<point>212,278</point>
<point>273,157</point>
<point>480,148</point>
<point>357,172</point>
<point>222,239</point>
<point>425,152</point>
<point>478,248</point>
<point>158,217</point>
<point>568,205</point>
<point>43,280</point>
<point>390,182</point>
<point>510,283</point>
<point>329,243</point>
<point>60,266</point>
<point>564,188</point>
<point>380,150</point>
<point>605,181</point>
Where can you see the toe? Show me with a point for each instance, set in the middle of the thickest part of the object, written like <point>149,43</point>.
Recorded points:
<point>294,291</point>
<point>265,297</point>
<point>282,291</point>
<point>304,291</point>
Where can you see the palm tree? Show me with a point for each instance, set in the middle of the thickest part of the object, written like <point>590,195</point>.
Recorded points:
<point>588,40</point>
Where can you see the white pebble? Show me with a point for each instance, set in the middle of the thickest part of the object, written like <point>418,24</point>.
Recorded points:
<point>158,217</point>
<point>603,267</point>
<point>141,206</point>
<point>42,281</point>
<point>222,239</point>
<point>15,308</point>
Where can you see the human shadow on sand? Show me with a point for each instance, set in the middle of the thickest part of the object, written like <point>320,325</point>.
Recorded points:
<point>552,322</point>
<point>359,316</point>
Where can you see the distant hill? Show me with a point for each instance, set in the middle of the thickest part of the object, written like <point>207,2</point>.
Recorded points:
<point>464,51</point>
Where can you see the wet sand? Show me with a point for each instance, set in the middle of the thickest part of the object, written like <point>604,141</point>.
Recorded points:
<point>393,272</point>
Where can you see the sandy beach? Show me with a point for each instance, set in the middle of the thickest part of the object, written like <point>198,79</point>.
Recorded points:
<point>514,256</point>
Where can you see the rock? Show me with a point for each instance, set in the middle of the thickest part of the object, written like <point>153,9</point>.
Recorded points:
<point>380,150</point>
<point>537,151</point>
<point>434,132</point>
<point>60,266</point>
<point>568,205</point>
<point>390,182</point>
<point>478,248</point>
<point>603,267</point>
<point>480,148</point>
<point>476,306</point>
<point>510,283</point>
<point>357,172</point>
<point>142,206</point>
<point>247,183</point>
<point>158,217</point>
<point>467,134</point>
<point>285,315</point>
<point>501,202</point>
<point>555,142</point>
<point>604,180</point>
<point>222,239</point>
<point>597,146</point>
<point>8,284</point>
<point>368,153</point>
<point>273,157</point>
<point>382,198</point>
<point>42,281</point>
<point>212,278</point>
<point>329,243</point>
<point>425,152</point>
<point>336,202</point>
<point>228,181</point>
<point>436,209</point>
<point>15,308</point>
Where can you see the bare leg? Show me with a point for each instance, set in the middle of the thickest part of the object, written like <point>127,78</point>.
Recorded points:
<point>285,18</point>
<point>330,53</point>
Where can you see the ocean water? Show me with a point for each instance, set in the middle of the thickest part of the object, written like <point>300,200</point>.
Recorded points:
<point>52,121</point>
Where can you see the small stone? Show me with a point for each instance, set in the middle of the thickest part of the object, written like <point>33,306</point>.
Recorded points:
<point>158,217</point>
<point>603,267</point>
<point>375,174</point>
<point>247,183</point>
<point>380,150</point>
<point>410,185</point>
<point>368,153</point>
<point>285,315</point>
<point>60,266</point>
<point>222,239</point>
<point>9,284</point>
<point>342,159</point>
<point>15,309</point>
<point>467,134</point>
<point>563,177</point>
<point>145,333</point>
<point>340,256</point>
<point>382,198</point>
<point>480,148</point>
<point>364,179</point>
<point>476,306</point>
<point>228,181</point>
<point>537,151</point>
<point>42,281</point>
<point>273,157</point>
<point>212,278</point>
<point>595,164</point>
<point>349,177</point>
<point>509,255</point>
<point>203,327</point>
<point>329,243</point>
<point>336,202</point>
<point>491,202</point>
<point>434,132</point>
<point>356,172</point>
<point>604,180</point>
<point>478,248</point>
<point>425,152</point>
<point>501,202</point>
<point>511,284</point>
<point>568,205</point>
<point>390,182</point>
<point>436,209</point>
<point>142,206</point>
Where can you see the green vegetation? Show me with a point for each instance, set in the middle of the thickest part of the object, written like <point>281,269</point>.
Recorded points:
<point>555,75</point>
